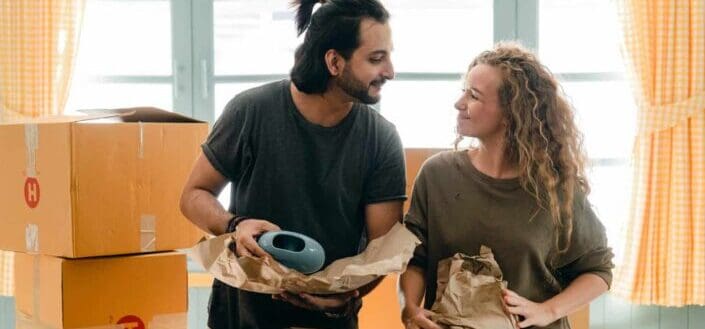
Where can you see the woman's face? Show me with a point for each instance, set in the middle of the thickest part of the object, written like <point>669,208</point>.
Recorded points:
<point>479,112</point>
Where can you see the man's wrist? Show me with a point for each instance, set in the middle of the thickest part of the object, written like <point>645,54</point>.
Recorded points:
<point>341,312</point>
<point>408,311</point>
<point>233,222</point>
<point>344,311</point>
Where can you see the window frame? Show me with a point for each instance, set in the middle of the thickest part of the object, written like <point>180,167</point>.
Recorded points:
<point>193,79</point>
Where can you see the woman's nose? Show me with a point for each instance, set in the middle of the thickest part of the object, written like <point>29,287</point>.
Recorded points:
<point>460,104</point>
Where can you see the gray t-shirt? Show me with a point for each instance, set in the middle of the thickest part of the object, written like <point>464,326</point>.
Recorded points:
<point>305,178</point>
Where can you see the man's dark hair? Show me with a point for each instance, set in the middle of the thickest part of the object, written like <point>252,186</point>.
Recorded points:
<point>335,25</point>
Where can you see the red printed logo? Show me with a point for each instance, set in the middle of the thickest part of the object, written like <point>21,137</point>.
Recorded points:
<point>31,192</point>
<point>131,322</point>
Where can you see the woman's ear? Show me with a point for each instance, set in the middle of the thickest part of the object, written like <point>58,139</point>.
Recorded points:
<point>334,62</point>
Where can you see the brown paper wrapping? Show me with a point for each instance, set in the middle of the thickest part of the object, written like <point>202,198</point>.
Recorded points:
<point>469,293</point>
<point>384,255</point>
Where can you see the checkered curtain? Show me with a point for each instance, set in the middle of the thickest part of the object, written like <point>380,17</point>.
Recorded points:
<point>37,48</point>
<point>6,274</point>
<point>38,43</point>
<point>664,260</point>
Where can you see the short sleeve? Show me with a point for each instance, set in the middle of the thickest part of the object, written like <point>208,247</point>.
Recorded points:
<point>387,179</point>
<point>588,251</point>
<point>416,220</point>
<point>228,145</point>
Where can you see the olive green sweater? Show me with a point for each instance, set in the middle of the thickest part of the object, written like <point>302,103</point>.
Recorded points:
<point>456,208</point>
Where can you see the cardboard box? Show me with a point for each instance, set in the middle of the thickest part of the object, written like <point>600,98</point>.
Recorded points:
<point>135,292</point>
<point>107,183</point>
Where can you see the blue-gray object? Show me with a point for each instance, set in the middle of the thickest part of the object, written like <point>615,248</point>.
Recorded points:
<point>293,250</point>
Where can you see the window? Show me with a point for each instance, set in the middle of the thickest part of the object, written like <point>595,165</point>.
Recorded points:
<point>586,57</point>
<point>434,43</point>
<point>194,56</point>
<point>254,43</point>
<point>124,56</point>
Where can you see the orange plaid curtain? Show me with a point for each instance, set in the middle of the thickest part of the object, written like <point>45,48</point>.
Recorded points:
<point>37,47</point>
<point>38,39</point>
<point>6,273</point>
<point>664,260</point>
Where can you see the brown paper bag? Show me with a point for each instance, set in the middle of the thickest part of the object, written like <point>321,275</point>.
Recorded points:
<point>385,255</point>
<point>469,293</point>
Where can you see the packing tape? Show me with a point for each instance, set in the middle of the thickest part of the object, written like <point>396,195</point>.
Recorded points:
<point>23,320</point>
<point>31,238</point>
<point>31,141</point>
<point>140,147</point>
<point>148,237</point>
<point>36,294</point>
<point>169,321</point>
<point>162,321</point>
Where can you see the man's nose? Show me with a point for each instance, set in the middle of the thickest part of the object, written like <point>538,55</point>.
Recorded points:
<point>389,71</point>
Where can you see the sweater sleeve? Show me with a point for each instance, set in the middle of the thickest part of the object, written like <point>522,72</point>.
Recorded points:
<point>588,251</point>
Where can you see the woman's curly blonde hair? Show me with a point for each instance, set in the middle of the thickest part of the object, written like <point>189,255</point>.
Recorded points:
<point>541,136</point>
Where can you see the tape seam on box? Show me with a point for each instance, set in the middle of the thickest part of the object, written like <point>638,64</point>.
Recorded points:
<point>31,140</point>
<point>148,237</point>
<point>140,147</point>
<point>31,238</point>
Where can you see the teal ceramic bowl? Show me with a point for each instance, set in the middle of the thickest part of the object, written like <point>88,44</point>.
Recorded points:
<point>293,250</point>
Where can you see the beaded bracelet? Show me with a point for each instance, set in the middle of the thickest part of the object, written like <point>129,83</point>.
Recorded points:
<point>233,222</point>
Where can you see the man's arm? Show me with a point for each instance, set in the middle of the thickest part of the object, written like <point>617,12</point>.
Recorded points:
<point>199,202</point>
<point>380,218</point>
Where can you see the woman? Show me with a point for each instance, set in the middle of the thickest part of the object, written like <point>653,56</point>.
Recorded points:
<point>520,191</point>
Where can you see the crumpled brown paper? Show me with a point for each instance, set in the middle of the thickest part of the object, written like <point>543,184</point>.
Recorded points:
<point>387,254</point>
<point>469,293</point>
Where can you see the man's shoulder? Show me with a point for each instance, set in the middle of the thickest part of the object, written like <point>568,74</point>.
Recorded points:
<point>248,102</point>
<point>265,93</point>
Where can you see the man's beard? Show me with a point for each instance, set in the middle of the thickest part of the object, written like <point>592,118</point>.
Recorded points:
<point>357,89</point>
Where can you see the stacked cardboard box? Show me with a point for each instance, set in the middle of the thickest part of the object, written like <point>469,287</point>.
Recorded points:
<point>120,292</point>
<point>84,199</point>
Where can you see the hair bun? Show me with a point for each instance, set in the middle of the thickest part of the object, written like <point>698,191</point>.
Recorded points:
<point>304,12</point>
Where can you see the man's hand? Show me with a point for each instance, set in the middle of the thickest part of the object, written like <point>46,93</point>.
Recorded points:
<point>415,317</point>
<point>245,234</point>
<point>327,303</point>
<point>533,314</point>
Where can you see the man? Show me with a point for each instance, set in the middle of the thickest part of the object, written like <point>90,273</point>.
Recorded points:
<point>306,155</point>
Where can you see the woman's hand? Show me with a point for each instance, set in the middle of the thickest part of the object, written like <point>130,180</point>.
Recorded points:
<point>533,314</point>
<point>415,317</point>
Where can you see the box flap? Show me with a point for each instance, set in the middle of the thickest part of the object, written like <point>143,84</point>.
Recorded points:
<point>56,119</point>
<point>136,114</point>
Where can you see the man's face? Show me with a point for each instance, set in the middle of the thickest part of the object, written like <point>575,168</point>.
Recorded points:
<point>370,65</point>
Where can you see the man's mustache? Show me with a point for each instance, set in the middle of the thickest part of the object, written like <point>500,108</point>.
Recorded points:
<point>378,82</point>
